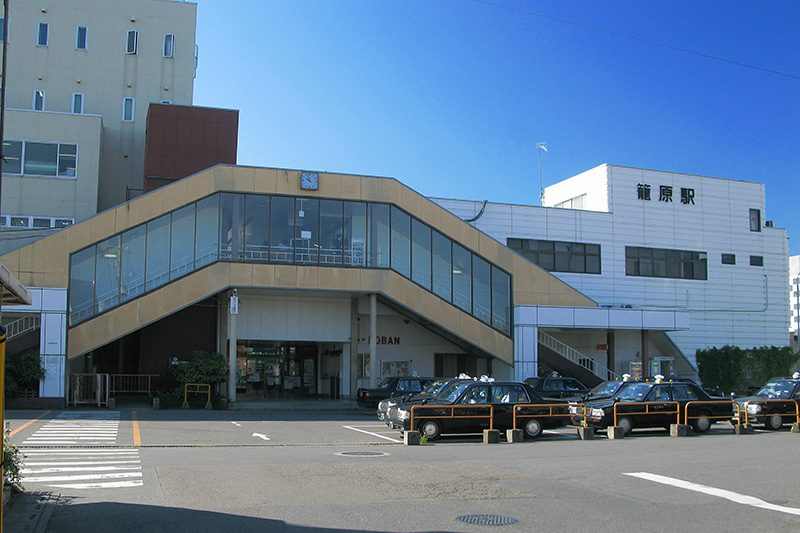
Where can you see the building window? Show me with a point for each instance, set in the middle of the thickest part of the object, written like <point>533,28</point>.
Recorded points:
<point>660,263</point>
<point>43,34</point>
<point>77,103</point>
<point>127,109</point>
<point>169,45</point>
<point>573,203</point>
<point>755,220</point>
<point>20,222</point>
<point>132,43</point>
<point>757,260</point>
<point>12,157</point>
<point>38,100</point>
<point>81,33</point>
<point>728,259</point>
<point>558,256</point>
<point>50,159</point>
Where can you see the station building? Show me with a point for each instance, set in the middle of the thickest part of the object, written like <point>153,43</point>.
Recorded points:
<point>141,241</point>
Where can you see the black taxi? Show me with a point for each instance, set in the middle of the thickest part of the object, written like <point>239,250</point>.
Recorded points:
<point>775,404</point>
<point>653,404</point>
<point>472,406</point>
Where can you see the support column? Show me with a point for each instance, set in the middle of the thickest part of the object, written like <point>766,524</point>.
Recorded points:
<point>645,353</point>
<point>233,311</point>
<point>526,352</point>
<point>611,354</point>
<point>373,340</point>
<point>349,391</point>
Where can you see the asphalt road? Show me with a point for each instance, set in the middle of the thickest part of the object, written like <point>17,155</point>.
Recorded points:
<point>344,471</point>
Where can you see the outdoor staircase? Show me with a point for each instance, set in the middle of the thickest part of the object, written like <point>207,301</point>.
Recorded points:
<point>22,326</point>
<point>571,362</point>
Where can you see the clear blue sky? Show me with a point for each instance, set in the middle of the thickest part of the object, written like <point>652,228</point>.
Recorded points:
<point>452,96</point>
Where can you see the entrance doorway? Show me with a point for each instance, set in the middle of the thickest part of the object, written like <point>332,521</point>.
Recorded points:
<point>277,370</point>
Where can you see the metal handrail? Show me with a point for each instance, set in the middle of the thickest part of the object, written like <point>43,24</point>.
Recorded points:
<point>23,325</point>
<point>548,406</point>
<point>648,411</point>
<point>453,409</point>
<point>774,400</point>
<point>575,356</point>
<point>686,416</point>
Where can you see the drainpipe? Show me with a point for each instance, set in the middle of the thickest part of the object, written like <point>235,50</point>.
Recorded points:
<point>373,340</point>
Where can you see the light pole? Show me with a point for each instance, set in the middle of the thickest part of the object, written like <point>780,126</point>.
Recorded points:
<point>541,147</point>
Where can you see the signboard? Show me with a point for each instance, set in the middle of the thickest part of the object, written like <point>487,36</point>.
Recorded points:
<point>636,369</point>
<point>234,305</point>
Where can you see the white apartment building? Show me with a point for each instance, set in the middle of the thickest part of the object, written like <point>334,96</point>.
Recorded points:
<point>80,77</point>
<point>794,299</point>
<point>650,240</point>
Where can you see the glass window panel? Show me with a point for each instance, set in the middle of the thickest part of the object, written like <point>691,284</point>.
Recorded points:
<point>462,278</point>
<point>545,245</point>
<point>12,157</point>
<point>331,232</point>
<point>281,229</point>
<point>206,249</point>
<point>157,263</point>
<point>43,34</point>
<point>593,264</point>
<point>127,109</point>
<point>421,253</point>
<point>355,233</point>
<point>81,285</point>
<point>547,260</point>
<point>132,262</point>
<point>562,262</point>
<point>107,274</point>
<point>132,42</point>
<point>442,266</point>
<point>501,300</point>
<point>38,100</point>
<point>401,242</point>
<point>169,45</point>
<point>77,103</point>
<point>67,159</point>
<point>593,249</point>
<point>182,248</point>
<point>577,263</point>
<point>80,37</point>
<point>306,231</point>
<point>481,290</point>
<point>256,227</point>
<point>378,252</point>
<point>231,226</point>
<point>514,244</point>
<point>41,158</point>
<point>41,222</point>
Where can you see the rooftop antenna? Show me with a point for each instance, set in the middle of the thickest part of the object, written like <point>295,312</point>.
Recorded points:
<point>541,147</point>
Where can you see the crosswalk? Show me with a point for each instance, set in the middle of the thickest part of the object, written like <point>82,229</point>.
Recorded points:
<point>76,450</point>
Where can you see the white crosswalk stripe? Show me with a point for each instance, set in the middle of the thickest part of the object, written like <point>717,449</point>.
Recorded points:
<point>80,468</point>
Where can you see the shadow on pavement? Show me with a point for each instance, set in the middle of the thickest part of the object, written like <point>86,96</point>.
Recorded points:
<point>124,517</point>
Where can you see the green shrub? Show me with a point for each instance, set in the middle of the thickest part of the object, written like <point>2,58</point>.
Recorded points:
<point>734,369</point>
<point>23,371</point>
<point>205,367</point>
<point>12,461</point>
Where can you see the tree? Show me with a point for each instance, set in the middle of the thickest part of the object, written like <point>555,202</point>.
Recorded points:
<point>734,369</point>
<point>205,367</point>
<point>23,371</point>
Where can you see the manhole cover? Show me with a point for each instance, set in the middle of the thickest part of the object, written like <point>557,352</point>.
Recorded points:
<point>487,520</point>
<point>362,454</point>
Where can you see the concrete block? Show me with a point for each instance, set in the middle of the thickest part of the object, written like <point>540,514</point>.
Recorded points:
<point>743,429</point>
<point>586,433</point>
<point>615,432</point>
<point>411,438</point>
<point>185,405</point>
<point>156,403</point>
<point>112,403</point>
<point>679,430</point>
<point>514,435</point>
<point>491,436</point>
<point>209,406</point>
<point>795,428</point>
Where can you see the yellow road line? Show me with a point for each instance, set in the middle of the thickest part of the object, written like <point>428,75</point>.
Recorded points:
<point>26,424</point>
<point>137,437</point>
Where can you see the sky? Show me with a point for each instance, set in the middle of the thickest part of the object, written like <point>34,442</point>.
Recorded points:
<point>452,97</point>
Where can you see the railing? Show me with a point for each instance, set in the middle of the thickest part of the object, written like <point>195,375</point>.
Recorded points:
<point>526,411</point>
<point>700,403</point>
<point>793,405</point>
<point>133,383</point>
<point>87,389</point>
<point>23,325</point>
<point>452,412</point>
<point>650,408</point>
<point>576,357</point>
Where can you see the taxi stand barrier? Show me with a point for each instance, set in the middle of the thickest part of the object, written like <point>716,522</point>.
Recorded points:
<point>412,436</point>
<point>733,403</point>
<point>796,411</point>
<point>548,410</point>
<point>196,388</point>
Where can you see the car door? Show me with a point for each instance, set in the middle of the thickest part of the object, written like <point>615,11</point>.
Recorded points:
<point>504,399</point>
<point>473,417</point>
<point>661,409</point>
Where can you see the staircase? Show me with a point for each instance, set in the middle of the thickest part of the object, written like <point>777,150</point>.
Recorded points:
<point>23,326</point>
<point>571,362</point>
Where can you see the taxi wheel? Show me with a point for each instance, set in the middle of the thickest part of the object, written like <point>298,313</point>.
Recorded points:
<point>431,429</point>
<point>773,421</point>
<point>533,428</point>
<point>701,424</point>
<point>625,423</point>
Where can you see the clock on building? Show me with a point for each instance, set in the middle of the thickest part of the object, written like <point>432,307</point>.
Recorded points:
<point>309,180</point>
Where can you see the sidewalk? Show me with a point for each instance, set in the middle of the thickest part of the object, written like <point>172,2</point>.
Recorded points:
<point>29,511</point>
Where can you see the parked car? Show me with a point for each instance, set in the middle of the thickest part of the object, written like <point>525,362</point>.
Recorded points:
<point>389,387</point>
<point>465,408</point>
<point>775,404</point>
<point>437,387</point>
<point>557,387</point>
<point>649,404</point>
<point>712,391</point>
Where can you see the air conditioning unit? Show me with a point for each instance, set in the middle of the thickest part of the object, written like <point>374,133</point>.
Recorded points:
<point>769,223</point>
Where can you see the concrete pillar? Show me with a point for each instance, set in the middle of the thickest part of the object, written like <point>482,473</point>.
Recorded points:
<point>526,352</point>
<point>232,350</point>
<point>373,340</point>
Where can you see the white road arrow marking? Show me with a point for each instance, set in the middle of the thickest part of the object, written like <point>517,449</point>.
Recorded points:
<point>261,436</point>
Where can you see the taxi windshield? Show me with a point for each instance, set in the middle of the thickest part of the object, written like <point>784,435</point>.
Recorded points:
<point>606,389</point>
<point>451,393</point>
<point>635,392</point>
<point>776,389</point>
<point>385,383</point>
